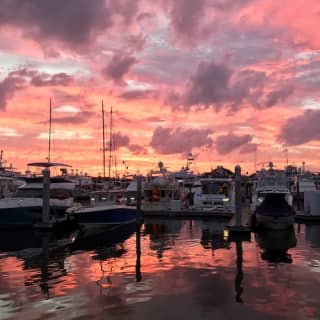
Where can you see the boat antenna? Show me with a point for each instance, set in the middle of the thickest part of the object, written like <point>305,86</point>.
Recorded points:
<point>103,142</point>
<point>255,159</point>
<point>50,125</point>
<point>110,144</point>
<point>287,153</point>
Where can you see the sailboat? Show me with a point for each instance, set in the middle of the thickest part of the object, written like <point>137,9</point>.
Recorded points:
<point>103,212</point>
<point>40,199</point>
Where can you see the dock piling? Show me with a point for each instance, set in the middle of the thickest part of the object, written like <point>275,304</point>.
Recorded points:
<point>45,224</point>
<point>237,229</point>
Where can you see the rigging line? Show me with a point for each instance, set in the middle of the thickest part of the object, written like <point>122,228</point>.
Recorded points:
<point>110,144</point>
<point>103,142</point>
<point>50,124</point>
<point>114,152</point>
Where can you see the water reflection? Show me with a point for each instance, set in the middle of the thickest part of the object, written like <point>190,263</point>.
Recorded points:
<point>212,235</point>
<point>276,243</point>
<point>162,235</point>
<point>159,269</point>
<point>105,242</point>
<point>42,254</point>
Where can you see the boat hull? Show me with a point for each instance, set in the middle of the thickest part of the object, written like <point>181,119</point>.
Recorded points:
<point>275,213</point>
<point>28,216</point>
<point>274,222</point>
<point>105,215</point>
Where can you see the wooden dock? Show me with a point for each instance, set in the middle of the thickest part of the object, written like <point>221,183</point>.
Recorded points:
<point>188,214</point>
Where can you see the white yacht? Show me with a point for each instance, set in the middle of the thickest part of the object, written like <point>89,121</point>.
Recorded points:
<point>25,208</point>
<point>272,199</point>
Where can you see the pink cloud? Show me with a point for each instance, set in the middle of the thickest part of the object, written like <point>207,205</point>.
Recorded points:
<point>227,143</point>
<point>171,141</point>
<point>301,129</point>
<point>119,66</point>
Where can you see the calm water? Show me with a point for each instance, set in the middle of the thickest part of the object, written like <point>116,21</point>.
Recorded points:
<point>186,269</point>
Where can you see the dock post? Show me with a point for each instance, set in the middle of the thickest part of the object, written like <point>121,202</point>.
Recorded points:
<point>46,196</point>
<point>45,224</point>
<point>138,200</point>
<point>237,180</point>
<point>236,230</point>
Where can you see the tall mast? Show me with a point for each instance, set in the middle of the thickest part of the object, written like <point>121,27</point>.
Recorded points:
<point>110,144</point>
<point>50,124</point>
<point>103,143</point>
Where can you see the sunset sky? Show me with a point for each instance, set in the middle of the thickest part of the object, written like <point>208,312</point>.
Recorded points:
<point>229,80</point>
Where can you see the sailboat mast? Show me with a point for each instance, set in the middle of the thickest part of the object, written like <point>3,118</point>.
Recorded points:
<point>103,143</point>
<point>50,124</point>
<point>110,144</point>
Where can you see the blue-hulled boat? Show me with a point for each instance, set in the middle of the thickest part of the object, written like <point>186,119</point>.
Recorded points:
<point>104,214</point>
<point>25,209</point>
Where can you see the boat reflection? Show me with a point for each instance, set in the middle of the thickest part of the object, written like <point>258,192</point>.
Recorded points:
<point>42,253</point>
<point>106,242</point>
<point>162,234</point>
<point>212,235</point>
<point>275,244</point>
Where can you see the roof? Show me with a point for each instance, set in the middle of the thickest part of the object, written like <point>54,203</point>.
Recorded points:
<point>48,164</point>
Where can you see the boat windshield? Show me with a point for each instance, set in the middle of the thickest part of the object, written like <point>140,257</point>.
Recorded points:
<point>215,188</point>
<point>38,193</point>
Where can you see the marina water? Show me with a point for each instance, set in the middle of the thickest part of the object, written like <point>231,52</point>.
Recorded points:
<point>183,269</point>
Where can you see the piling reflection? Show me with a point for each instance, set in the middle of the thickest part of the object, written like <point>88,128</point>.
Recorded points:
<point>275,244</point>
<point>313,235</point>
<point>42,253</point>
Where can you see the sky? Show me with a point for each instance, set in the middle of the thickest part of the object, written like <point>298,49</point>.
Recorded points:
<point>233,82</point>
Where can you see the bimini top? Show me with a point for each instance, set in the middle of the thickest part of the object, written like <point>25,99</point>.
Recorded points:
<point>48,164</point>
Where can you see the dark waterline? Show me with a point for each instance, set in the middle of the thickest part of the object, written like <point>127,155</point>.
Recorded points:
<point>187,269</point>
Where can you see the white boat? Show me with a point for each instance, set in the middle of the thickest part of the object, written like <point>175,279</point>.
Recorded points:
<point>272,199</point>
<point>162,192</point>
<point>214,194</point>
<point>25,208</point>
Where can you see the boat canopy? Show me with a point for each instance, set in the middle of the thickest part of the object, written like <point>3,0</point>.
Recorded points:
<point>48,164</point>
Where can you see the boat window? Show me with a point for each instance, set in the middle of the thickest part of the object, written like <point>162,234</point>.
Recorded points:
<point>29,193</point>
<point>215,188</point>
<point>60,194</point>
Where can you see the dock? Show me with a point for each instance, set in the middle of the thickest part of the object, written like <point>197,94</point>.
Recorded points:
<point>189,214</point>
